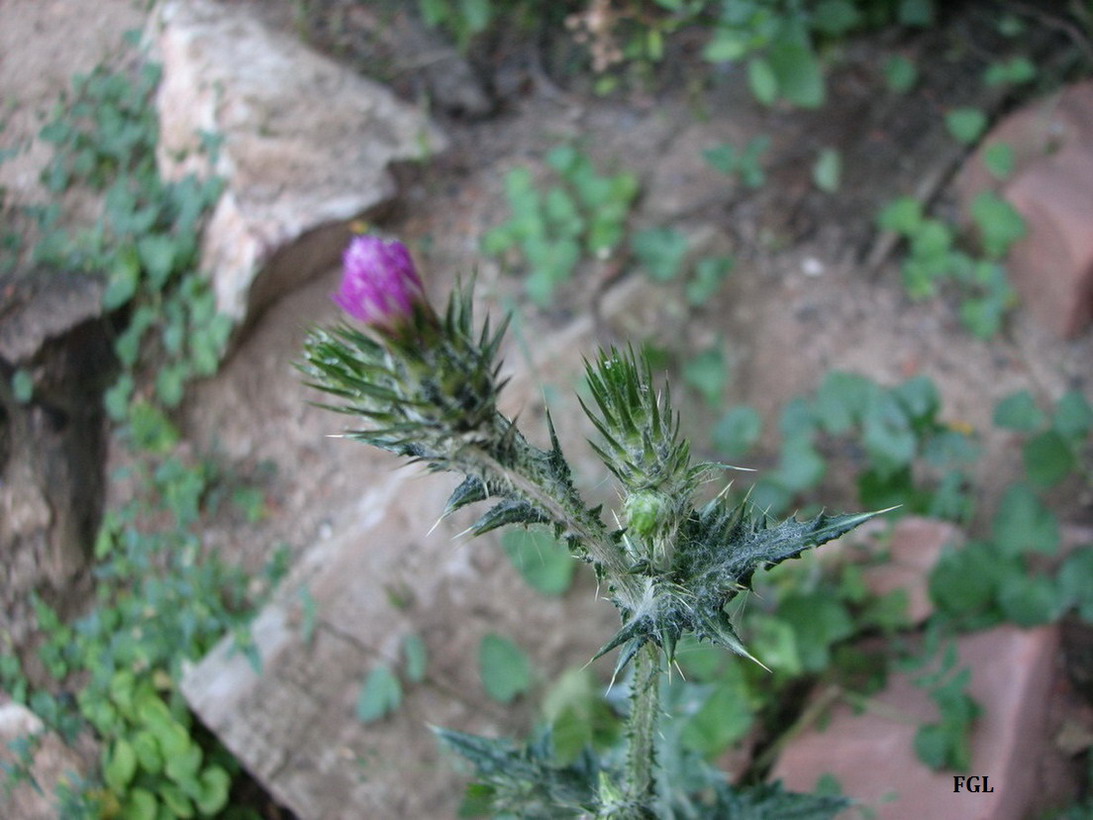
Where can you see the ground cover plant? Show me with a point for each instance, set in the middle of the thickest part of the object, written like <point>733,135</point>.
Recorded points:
<point>161,599</point>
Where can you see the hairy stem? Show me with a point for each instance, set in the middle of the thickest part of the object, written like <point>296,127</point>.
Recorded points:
<point>566,508</point>
<point>640,782</point>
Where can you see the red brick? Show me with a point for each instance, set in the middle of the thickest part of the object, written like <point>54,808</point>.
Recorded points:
<point>1052,188</point>
<point>1052,268</point>
<point>872,754</point>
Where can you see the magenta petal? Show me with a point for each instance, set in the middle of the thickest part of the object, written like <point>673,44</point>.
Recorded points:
<point>379,282</point>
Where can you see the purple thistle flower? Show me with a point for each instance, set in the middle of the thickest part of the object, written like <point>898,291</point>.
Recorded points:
<point>380,285</point>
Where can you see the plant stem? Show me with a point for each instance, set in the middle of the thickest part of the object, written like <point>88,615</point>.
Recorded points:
<point>640,785</point>
<point>568,510</point>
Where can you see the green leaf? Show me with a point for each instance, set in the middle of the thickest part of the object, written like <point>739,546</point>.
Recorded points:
<point>1074,587</point>
<point>528,774</point>
<point>380,696</point>
<point>818,621</point>
<point>900,74</point>
<point>725,717</point>
<point>150,429</point>
<point>661,252</point>
<point>798,419</point>
<point>801,467</point>
<point>726,45</point>
<point>1018,411</point>
<point>182,766</point>
<point>709,273</point>
<point>750,167</point>
<point>417,657</point>
<point>947,744</point>
<point>799,76</point>
<point>903,216</point>
<point>1048,459</point>
<point>842,400</point>
<point>476,14</point>
<point>835,17</point>
<point>542,560</point>
<point>920,397</point>
<point>1073,417</point>
<point>122,279</point>
<point>1016,71</point>
<point>175,800</point>
<point>966,124</point>
<point>882,490</point>
<point>762,80</point>
<point>1000,224</point>
<point>433,12</point>
<point>22,386</point>
<point>120,765</point>
<point>1030,600</point>
<point>932,745</point>
<point>140,804</point>
<point>214,790</point>
<point>562,214</point>
<point>171,383</point>
<point>157,257</point>
<point>723,158</point>
<point>498,240</point>
<point>738,431</point>
<point>146,748</point>
<point>706,373</point>
<point>505,669</point>
<point>916,13</point>
<point>964,581</point>
<point>700,662</point>
<point>1000,160</point>
<point>778,641</point>
<point>1023,524</point>
<point>578,714</point>
<point>827,172</point>
<point>932,239</point>
<point>887,433</point>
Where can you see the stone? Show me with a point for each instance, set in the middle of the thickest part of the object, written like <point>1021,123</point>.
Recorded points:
<point>872,754</point>
<point>50,764</point>
<point>1052,188</point>
<point>305,145</point>
<point>449,77</point>
<point>52,442</point>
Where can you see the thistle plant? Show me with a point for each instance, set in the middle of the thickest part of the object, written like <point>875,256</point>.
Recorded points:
<point>425,386</point>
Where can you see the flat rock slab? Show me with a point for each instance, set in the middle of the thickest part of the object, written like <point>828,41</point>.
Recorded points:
<point>304,144</point>
<point>872,754</point>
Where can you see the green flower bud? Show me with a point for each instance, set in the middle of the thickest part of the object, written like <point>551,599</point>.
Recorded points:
<point>645,512</point>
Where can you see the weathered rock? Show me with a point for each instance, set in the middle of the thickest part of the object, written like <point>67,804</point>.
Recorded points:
<point>872,754</point>
<point>1052,189</point>
<point>49,763</point>
<point>52,442</point>
<point>305,145</point>
<point>451,81</point>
